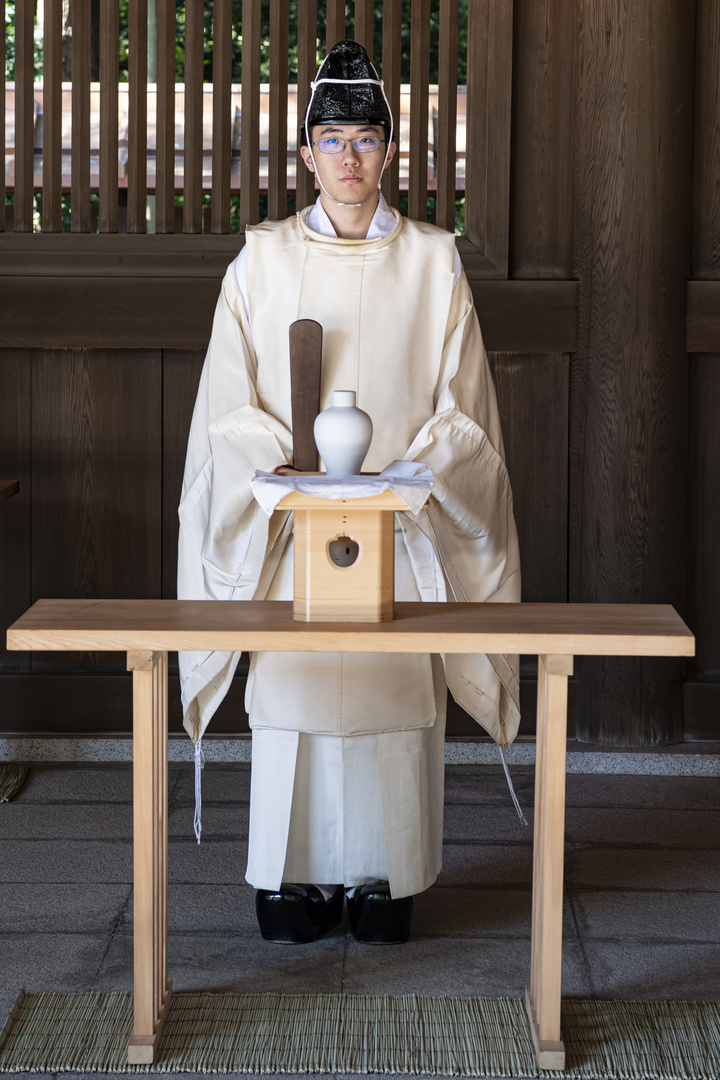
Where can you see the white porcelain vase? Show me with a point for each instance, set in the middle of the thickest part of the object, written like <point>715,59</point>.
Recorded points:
<point>343,434</point>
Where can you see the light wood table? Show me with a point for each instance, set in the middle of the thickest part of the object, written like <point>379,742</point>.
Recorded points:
<point>147,629</point>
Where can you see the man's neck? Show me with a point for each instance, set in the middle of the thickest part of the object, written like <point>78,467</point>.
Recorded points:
<point>350,222</point>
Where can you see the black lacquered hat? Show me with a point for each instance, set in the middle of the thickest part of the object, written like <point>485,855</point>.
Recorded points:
<point>347,90</point>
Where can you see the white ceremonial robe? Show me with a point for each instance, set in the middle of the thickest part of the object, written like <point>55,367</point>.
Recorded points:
<point>348,748</point>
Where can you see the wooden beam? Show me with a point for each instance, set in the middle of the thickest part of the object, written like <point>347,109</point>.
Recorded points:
<point>391,73</point>
<point>702,333</point>
<point>8,488</point>
<point>146,310</point>
<point>528,316</point>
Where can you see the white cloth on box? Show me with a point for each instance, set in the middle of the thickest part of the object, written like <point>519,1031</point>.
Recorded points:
<point>410,480</point>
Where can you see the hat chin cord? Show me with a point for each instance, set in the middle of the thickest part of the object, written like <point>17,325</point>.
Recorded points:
<point>346,82</point>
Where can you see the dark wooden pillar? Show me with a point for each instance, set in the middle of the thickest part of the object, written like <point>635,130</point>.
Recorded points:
<point>702,691</point>
<point>630,382</point>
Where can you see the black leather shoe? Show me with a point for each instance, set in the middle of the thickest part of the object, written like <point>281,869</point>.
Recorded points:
<point>377,919</point>
<point>297,914</point>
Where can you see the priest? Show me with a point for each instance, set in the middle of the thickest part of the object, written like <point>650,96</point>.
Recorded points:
<point>348,749</point>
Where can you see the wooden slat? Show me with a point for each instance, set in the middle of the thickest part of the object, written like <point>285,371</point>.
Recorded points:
<point>80,216</point>
<point>335,23</point>
<point>250,120</point>
<point>307,66</point>
<point>2,131</point>
<point>52,118</point>
<point>364,18</point>
<point>498,101</point>
<point>447,114</point>
<point>489,87</point>
<point>544,102</point>
<point>391,57</point>
<point>476,124</point>
<point>277,147</point>
<point>579,629</point>
<point>137,117</point>
<point>165,130</point>
<point>176,312</point>
<point>703,317</point>
<point>222,130</point>
<point>108,194</point>
<point>192,184</point>
<point>24,115</point>
<point>706,205</point>
<point>419,82</point>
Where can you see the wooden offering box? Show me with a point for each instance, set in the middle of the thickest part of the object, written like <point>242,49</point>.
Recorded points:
<point>344,557</point>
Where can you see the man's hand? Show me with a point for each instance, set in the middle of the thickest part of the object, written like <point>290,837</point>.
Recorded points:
<point>285,470</point>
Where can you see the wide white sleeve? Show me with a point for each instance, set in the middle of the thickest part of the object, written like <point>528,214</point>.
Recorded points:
<point>469,519</point>
<point>223,533</point>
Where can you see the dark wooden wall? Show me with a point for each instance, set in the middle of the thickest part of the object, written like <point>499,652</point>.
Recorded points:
<point>701,693</point>
<point>605,346</point>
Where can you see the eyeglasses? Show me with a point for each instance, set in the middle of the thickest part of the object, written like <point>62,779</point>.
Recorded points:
<point>364,144</point>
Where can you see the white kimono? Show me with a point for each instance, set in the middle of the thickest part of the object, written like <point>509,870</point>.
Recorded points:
<point>348,748</point>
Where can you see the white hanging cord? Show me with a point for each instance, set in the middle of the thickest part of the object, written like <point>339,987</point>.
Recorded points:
<point>345,82</point>
<point>514,797</point>
<point>199,766</point>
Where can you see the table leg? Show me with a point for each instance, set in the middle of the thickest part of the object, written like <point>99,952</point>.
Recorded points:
<point>152,988</point>
<point>542,997</point>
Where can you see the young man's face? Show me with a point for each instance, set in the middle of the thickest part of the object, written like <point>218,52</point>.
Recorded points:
<point>350,176</point>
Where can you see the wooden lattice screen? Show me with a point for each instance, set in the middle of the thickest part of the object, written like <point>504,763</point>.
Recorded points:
<point>489,65</point>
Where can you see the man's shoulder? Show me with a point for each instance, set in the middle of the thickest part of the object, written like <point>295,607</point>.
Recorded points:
<point>429,231</point>
<point>429,242</point>
<point>288,226</point>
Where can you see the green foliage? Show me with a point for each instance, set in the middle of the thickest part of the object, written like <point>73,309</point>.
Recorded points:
<point>293,33</point>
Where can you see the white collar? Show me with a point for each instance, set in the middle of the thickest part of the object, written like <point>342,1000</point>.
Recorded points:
<point>383,222</point>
